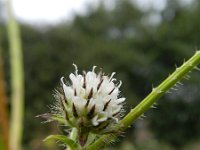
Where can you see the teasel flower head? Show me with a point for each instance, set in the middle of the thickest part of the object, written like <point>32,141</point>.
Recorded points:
<point>90,103</point>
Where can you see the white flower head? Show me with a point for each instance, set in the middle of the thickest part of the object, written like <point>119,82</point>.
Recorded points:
<point>91,102</point>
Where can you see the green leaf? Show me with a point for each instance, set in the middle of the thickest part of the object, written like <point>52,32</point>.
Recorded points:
<point>60,120</point>
<point>69,142</point>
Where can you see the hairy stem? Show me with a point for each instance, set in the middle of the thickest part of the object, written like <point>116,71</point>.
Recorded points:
<point>17,80</point>
<point>156,93</point>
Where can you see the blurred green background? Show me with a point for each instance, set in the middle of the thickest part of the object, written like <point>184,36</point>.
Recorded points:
<point>142,46</point>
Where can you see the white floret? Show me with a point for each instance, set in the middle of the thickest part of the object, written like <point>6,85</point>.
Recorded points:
<point>91,89</point>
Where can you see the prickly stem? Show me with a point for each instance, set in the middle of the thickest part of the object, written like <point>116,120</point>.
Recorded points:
<point>142,107</point>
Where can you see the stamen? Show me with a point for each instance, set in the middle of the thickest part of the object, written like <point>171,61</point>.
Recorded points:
<point>93,69</point>
<point>99,85</point>
<point>90,94</point>
<point>89,97</point>
<point>115,114</point>
<point>101,74</point>
<point>75,93</point>
<point>106,105</point>
<point>84,81</point>
<point>62,80</point>
<point>63,97</point>
<point>91,112</point>
<point>111,91</point>
<point>76,69</point>
<point>74,111</point>
<point>63,108</point>
<point>87,103</point>
<point>112,76</point>
<point>120,83</point>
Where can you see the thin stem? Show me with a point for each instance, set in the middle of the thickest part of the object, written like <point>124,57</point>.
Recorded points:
<point>150,100</point>
<point>17,80</point>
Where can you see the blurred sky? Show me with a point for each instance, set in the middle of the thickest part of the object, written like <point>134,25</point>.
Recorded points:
<point>49,11</point>
<point>55,11</point>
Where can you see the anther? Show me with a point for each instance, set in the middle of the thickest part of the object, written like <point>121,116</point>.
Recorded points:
<point>111,91</point>
<point>63,97</point>
<point>100,83</point>
<point>91,112</point>
<point>75,93</point>
<point>117,113</point>
<point>74,111</point>
<point>90,94</point>
<point>106,105</point>
<point>84,81</point>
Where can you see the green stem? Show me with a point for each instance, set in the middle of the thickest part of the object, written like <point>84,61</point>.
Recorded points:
<point>73,136</point>
<point>17,80</point>
<point>150,99</point>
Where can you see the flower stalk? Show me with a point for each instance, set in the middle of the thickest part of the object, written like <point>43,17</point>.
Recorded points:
<point>17,80</point>
<point>156,93</point>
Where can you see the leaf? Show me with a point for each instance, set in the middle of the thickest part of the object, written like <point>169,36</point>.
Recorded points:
<point>60,119</point>
<point>69,142</point>
<point>49,117</point>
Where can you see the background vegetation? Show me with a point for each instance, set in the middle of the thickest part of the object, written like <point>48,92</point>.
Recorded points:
<point>142,46</point>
